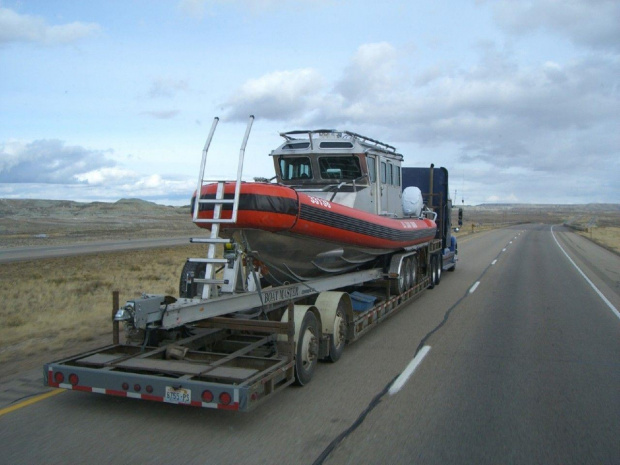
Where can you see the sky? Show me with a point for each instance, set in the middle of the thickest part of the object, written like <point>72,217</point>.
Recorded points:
<point>519,100</point>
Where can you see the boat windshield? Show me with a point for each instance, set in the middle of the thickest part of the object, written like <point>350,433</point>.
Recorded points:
<point>293,168</point>
<point>347,167</point>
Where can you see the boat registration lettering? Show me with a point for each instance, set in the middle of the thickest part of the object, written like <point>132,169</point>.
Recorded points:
<point>321,202</point>
<point>409,224</point>
<point>278,295</point>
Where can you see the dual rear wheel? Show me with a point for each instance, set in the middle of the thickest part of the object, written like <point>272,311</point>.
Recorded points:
<point>436,268</point>
<point>407,277</point>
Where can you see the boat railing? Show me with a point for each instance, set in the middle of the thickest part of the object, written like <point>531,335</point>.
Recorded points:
<point>368,141</point>
<point>428,214</point>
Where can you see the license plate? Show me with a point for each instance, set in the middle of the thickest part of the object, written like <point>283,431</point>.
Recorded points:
<point>178,396</point>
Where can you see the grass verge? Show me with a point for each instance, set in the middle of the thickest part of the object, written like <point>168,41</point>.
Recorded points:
<point>51,304</point>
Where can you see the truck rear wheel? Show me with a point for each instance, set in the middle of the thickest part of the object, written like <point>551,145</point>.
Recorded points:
<point>307,352</point>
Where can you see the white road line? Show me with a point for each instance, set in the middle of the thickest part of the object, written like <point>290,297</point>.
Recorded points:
<point>494,262</point>
<point>600,294</point>
<point>474,287</point>
<point>504,249</point>
<point>404,376</point>
<point>510,242</point>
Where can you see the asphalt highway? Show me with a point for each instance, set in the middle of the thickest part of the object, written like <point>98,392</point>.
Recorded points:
<point>15,254</point>
<point>518,361</point>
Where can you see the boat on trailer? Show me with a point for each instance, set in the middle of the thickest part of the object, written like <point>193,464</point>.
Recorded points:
<point>337,205</point>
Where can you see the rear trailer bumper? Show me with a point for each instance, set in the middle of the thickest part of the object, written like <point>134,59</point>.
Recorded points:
<point>189,389</point>
<point>145,387</point>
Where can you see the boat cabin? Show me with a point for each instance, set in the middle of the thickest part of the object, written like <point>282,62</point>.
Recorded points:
<point>342,167</point>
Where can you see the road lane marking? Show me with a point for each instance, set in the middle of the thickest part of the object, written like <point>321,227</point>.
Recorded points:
<point>504,249</point>
<point>494,262</point>
<point>600,294</point>
<point>399,382</point>
<point>474,287</point>
<point>31,401</point>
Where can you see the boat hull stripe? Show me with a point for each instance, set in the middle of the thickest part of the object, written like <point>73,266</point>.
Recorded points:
<point>359,226</point>
<point>255,202</point>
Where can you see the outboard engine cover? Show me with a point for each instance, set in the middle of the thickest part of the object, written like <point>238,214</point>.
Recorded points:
<point>412,201</point>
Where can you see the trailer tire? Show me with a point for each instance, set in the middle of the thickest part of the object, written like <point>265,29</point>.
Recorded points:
<point>431,271</point>
<point>438,269</point>
<point>306,354</point>
<point>399,285</point>
<point>339,337</point>
<point>413,271</point>
<point>194,289</point>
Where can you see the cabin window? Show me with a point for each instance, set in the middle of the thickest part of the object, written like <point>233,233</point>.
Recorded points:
<point>340,167</point>
<point>335,145</point>
<point>296,146</point>
<point>295,168</point>
<point>396,179</point>
<point>390,177</point>
<point>372,172</point>
<point>383,170</point>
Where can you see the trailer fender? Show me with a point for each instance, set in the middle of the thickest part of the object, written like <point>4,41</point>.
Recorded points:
<point>336,311</point>
<point>307,341</point>
<point>328,303</point>
<point>299,312</point>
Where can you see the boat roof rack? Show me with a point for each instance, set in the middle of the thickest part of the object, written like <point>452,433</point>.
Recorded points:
<point>289,135</point>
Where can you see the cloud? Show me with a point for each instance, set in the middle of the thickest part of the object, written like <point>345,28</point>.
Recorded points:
<point>193,8</point>
<point>15,27</point>
<point>590,23</point>
<point>277,95</point>
<point>52,169</point>
<point>166,88</point>
<point>198,8</point>
<point>369,73</point>
<point>102,176</point>
<point>162,114</point>
<point>48,161</point>
<point>548,120</point>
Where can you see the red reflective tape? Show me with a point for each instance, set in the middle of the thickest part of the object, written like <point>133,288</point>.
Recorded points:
<point>234,406</point>
<point>50,378</point>
<point>152,397</point>
<point>112,392</point>
<point>82,388</point>
<point>196,403</point>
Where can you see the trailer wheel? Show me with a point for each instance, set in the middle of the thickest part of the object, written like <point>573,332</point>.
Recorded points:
<point>338,339</point>
<point>399,285</point>
<point>431,271</point>
<point>193,269</point>
<point>413,272</point>
<point>307,349</point>
<point>438,269</point>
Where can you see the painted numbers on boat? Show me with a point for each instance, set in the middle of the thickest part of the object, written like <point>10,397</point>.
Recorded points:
<point>278,295</point>
<point>409,224</point>
<point>321,202</point>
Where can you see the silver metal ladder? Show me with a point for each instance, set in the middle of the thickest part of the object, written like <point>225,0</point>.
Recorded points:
<point>218,202</point>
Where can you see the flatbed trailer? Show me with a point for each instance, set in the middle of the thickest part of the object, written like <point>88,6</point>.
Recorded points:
<point>235,363</point>
<point>231,339</point>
